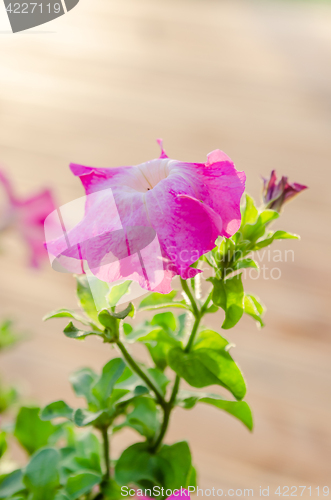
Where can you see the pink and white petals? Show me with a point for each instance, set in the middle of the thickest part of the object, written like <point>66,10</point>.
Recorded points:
<point>27,215</point>
<point>150,222</point>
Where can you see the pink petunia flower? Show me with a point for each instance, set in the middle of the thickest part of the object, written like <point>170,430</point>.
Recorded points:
<point>27,216</point>
<point>150,222</point>
<point>275,194</point>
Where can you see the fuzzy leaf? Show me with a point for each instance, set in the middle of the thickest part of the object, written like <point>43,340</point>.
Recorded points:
<point>117,292</point>
<point>253,308</point>
<point>229,295</point>
<point>56,410</point>
<point>208,363</point>
<point>239,409</point>
<point>31,431</point>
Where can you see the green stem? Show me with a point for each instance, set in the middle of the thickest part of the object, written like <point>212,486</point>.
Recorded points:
<point>198,313</point>
<point>106,451</point>
<point>166,415</point>
<point>193,333</point>
<point>188,292</point>
<point>136,368</point>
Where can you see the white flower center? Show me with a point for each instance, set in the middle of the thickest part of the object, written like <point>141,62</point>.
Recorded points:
<point>149,174</point>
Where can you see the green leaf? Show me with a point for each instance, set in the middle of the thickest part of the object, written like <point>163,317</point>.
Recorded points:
<point>180,333</point>
<point>88,448</point>
<point>82,417</point>
<point>254,308</point>
<point>250,212</point>
<point>82,483</point>
<point>176,465</point>
<point>170,467</point>
<point>212,309</point>
<point>11,484</point>
<point>7,336</point>
<point>268,216</point>
<point>82,381</point>
<point>41,474</point>
<point>144,417</point>
<point>166,319</point>
<point>229,295</point>
<point>193,477</point>
<point>60,495</point>
<point>244,264</point>
<point>239,409</point>
<point>8,395</point>
<point>129,388</point>
<point>133,334</point>
<point>117,292</point>
<point>278,235</point>
<point>159,378</point>
<point>56,410</point>
<point>66,313</point>
<point>138,465</point>
<point>159,343</point>
<point>85,297</point>
<point>128,311</point>
<point>3,443</point>
<point>103,387</point>
<point>112,491</point>
<point>31,431</point>
<point>255,231</point>
<point>208,363</point>
<point>154,299</point>
<point>74,333</point>
<point>108,320</point>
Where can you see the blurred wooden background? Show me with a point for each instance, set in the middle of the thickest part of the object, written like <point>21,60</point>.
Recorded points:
<point>253,78</point>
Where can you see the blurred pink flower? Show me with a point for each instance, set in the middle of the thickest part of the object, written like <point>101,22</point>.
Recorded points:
<point>276,194</point>
<point>185,205</point>
<point>27,216</point>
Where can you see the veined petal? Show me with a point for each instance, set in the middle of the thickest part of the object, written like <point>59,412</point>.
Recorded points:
<point>150,222</point>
